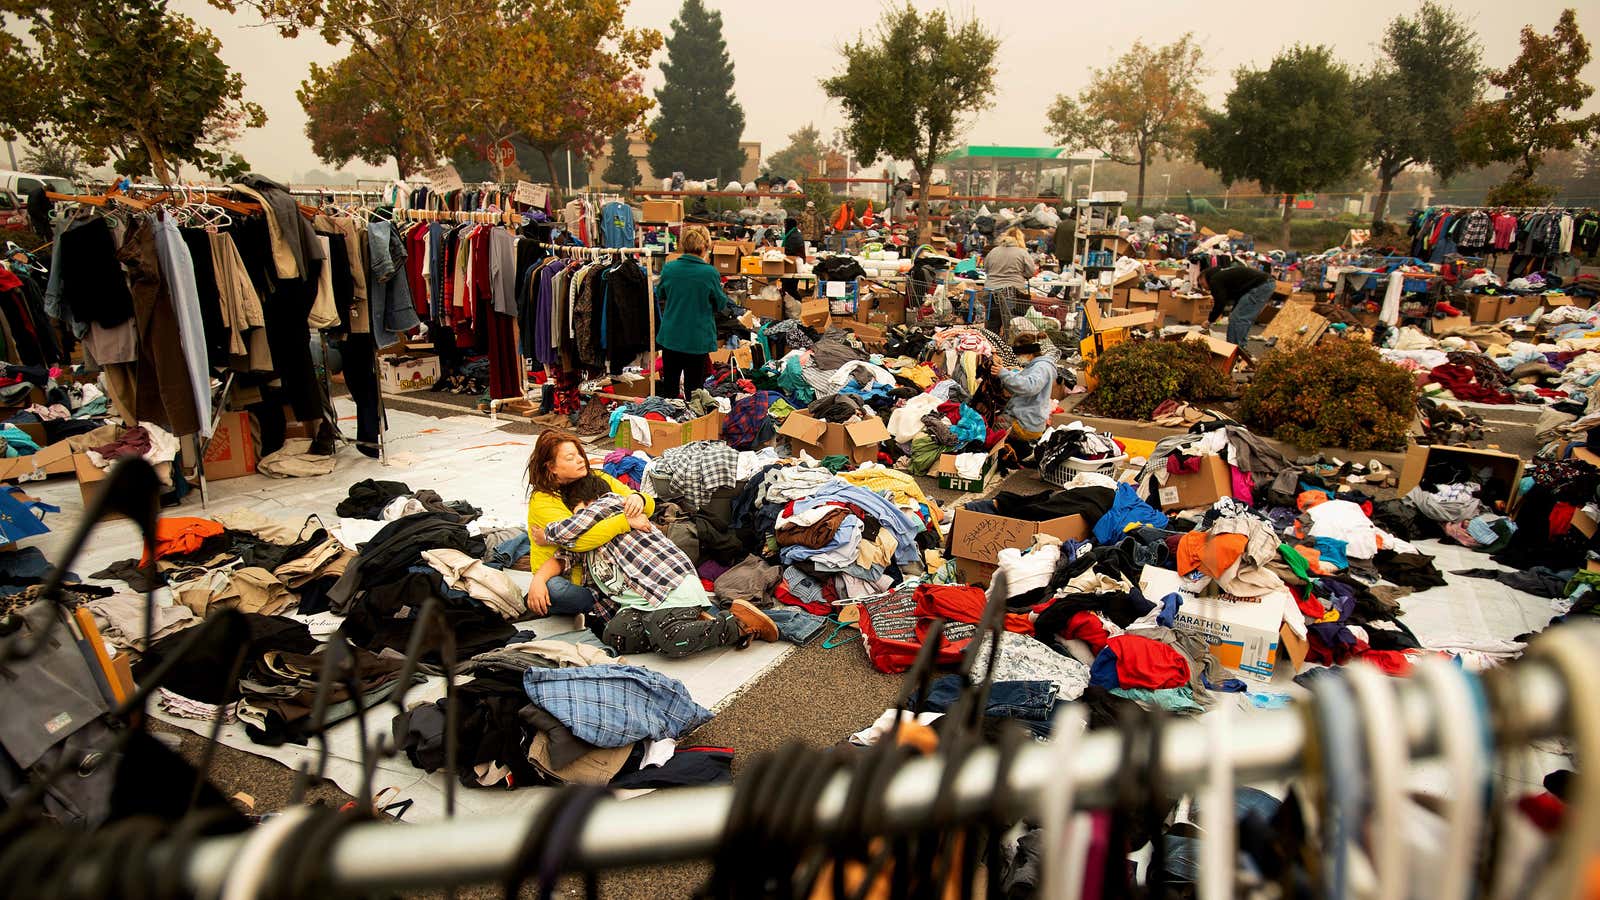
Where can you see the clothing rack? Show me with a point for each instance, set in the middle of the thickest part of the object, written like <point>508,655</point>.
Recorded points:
<point>688,823</point>
<point>576,251</point>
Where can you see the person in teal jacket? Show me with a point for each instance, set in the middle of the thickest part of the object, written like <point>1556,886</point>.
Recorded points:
<point>689,293</point>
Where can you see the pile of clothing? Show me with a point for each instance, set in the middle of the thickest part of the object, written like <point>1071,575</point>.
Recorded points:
<point>551,712</point>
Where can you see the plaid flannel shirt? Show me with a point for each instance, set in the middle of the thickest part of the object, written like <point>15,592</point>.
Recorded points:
<point>615,705</point>
<point>699,469</point>
<point>648,561</point>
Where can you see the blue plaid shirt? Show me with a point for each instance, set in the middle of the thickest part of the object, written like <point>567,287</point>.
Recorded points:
<point>615,705</point>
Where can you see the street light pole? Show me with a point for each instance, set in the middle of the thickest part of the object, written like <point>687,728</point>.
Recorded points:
<point>1166,189</point>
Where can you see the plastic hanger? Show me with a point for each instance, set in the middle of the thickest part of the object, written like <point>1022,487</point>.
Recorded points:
<point>1388,760</point>
<point>1061,856</point>
<point>1569,650</point>
<point>1219,843</point>
<point>1459,726</point>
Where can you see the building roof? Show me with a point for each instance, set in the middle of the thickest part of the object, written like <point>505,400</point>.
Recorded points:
<point>1047,157</point>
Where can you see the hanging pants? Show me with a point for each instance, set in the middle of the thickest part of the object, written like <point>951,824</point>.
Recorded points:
<point>359,353</point>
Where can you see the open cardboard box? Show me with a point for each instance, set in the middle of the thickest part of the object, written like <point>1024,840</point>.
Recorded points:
<point>52,459</point>
<point>858,440</point>
<point>666,435</point>
<point>951,480</point>
<point>1197,489</point>
<point>232,451</point>
<point>1099,324</point>
<point>1223,354</point>
<point>816,314</point>
<point>741,357</point>
<point>976,539</point>
<point>1505,468</point>
<point>765,307</point>
<point>1184,309</point>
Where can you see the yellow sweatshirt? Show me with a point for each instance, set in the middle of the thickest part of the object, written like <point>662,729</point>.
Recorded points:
<point>545,507</point>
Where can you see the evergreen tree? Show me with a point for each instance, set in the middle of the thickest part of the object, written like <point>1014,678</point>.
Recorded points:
<point>698,130</point>
<point>623,171</point>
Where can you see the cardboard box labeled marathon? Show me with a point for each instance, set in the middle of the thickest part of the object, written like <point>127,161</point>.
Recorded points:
<point>232,451</point>
<point>666,435</point>
<point>52,459</point>
<point>661,211</point>
<point>858,440</point>
<point>399,374</point>
<point>1201,488</point>
<point>976,539</point>
<point>1243,634</point>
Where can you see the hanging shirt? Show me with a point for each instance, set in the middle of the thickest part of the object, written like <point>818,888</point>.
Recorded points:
<point>616,224</point>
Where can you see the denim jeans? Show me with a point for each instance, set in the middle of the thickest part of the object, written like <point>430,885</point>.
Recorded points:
<point>568,599</point>
<point>1031,703</point>
<point>795,625</point>
<point>1246,310</point>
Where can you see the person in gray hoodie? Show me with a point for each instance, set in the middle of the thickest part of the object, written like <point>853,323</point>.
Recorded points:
<point>1029,385</point>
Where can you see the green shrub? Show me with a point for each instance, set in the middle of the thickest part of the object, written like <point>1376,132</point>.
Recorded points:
<point>1137,377</point>
<point>1338,393</point>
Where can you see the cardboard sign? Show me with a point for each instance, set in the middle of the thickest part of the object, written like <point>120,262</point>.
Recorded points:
<point>531,194</point>
<point>443,178</point>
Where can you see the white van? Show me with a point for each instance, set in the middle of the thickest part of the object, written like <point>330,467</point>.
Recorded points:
<point>14,188</point>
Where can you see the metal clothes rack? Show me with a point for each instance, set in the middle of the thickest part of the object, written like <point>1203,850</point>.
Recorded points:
<point>688,823</point>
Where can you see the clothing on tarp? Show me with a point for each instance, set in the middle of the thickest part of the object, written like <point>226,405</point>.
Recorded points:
<point>1132,661</point>
<point>613,705</point>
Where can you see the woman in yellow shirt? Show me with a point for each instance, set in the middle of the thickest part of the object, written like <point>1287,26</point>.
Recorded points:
<point>558,458</point>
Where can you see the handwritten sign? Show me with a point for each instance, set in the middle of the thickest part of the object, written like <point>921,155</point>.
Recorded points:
<point>531,194</point>
<point>443,178</point>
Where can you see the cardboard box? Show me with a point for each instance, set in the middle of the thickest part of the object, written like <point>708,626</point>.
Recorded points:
<point>766,308</point>
<point>399,374</point>
<point>662,211</point>
<point>52,459</point>
<point>1201,488</point>
<point>1099,324</point>
<point>232,451</point>
<point>750,265</point>
<point>640,388</point>
<point>1184,310</point>
<point>951,480</point>
<point>786,266</point>
<point>741,357</point>
<point>870,335</point>
<point>666,435</point>
<point>1223,354</point>
<point>859,440</point>
<point>725,255</point>
<point>976,539</point>
<point>1243,634</point>
<point>1140,296</point>
<point>816,314</point>
<point>1504,468</point>
<point>1518,307</point>
<point>1483,308</point>
<point>89,478</point>
<point>1451,323</point>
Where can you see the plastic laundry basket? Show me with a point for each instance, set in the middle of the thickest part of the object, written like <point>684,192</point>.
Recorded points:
<point>1062,471</point>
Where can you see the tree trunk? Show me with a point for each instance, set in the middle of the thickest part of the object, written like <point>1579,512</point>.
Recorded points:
<point>1283,228</point>
<point>555,182</point>
<point>158,159</point>
<point>924,216</point>
<point>1140,206</point>
<point>1381,207</point>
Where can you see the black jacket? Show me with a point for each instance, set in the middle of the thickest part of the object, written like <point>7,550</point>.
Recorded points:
<point>1228,284</point>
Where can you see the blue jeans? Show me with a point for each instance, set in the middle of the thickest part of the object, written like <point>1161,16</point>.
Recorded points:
<point>568,599</point>
<point>1031,703</point>
<point>795,625</point>
<point>1246,310</point>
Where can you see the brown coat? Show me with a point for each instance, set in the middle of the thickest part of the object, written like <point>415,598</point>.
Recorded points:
<point>164,394</point>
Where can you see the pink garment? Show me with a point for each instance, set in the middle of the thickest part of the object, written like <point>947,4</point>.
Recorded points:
<point>1244,485</point>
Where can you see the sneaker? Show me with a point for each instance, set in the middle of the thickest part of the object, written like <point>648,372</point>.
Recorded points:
<point>754,622</point>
